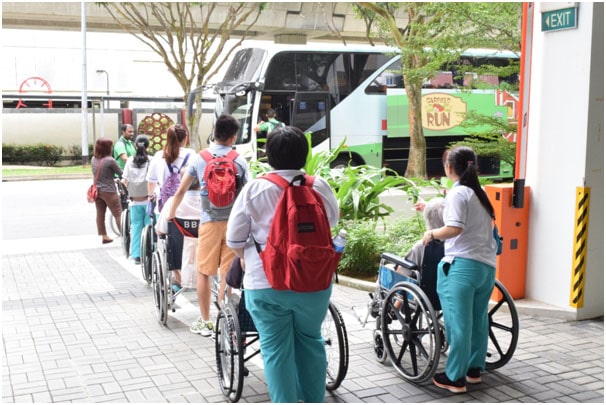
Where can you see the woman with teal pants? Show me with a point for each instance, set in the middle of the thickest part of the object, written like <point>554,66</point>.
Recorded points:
<point>289,322</point>
<point>466,274</point>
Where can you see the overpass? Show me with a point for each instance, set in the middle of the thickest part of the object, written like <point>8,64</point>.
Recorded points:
<point>295,22</point>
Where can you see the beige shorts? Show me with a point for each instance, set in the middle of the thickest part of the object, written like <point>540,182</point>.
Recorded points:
<point>212,249</point>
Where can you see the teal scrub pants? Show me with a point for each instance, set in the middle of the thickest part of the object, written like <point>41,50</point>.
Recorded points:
<point>138,219</point>
<point>464,288</point>
<point>290,331</point>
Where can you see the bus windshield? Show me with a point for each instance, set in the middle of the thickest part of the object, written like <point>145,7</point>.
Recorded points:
<point>245,67</point>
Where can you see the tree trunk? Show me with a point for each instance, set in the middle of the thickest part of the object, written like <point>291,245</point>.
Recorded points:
<point>417,156</point>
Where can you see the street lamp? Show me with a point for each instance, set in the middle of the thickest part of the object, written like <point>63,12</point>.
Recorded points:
<point>106,83</point>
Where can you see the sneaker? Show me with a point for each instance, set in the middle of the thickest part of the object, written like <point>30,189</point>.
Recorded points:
<point>473,376</point>
<point>176,288</point>
<point>137,260</point>
<point>204,328</point>
<point>456,387</point>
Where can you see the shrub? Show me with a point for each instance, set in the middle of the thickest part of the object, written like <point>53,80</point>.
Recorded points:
<point>366,242</point>
<point>40,153</point>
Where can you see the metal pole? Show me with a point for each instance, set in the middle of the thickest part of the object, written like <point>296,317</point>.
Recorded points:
<point>102,119</point>
<point>84,100</point>
<point>106,83</point>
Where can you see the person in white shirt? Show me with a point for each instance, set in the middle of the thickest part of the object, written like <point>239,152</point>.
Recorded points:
<point>289,323</point>
<point>184,260</point>
<point>174,153</point>
<point>134,178</point>
<point>466,274</point>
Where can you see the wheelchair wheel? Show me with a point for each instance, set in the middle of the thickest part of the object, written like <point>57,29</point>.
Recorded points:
<point>410,332</point>
<point>378,345</point>
<point>111,225</point>
<point>229,353</point>
<point>337,347</point>
<point>160,289</point>
<point>125,225</point>
<point>503,329</point>
<point>147,250</point>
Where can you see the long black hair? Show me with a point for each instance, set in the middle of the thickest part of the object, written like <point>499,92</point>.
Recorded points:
<point>141,157</point>
<point>464,162</point>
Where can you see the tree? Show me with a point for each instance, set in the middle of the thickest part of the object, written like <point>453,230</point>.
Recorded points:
<point>436,34</point>
<point>181,34</point>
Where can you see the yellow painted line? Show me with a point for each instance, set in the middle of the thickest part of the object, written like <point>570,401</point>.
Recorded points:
<point>579,259</point>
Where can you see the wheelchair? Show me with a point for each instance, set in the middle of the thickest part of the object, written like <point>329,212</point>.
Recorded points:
<point>167,257</point>
<point>409,328</point>
<point>148,245</point>
<point>235,334</point>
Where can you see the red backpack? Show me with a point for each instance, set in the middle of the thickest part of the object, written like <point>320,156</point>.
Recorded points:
<point>221,178</point>
<point>299,254</point>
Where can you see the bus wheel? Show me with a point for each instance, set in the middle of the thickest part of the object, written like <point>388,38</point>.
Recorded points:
<point>341,162</point>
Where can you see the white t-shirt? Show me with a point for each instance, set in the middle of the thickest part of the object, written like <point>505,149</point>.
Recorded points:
<point>464,210</point>
<point>252,214</point>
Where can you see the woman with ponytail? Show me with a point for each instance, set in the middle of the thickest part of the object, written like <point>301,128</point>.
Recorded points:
<point>466,274</point>
<point>135,172</point>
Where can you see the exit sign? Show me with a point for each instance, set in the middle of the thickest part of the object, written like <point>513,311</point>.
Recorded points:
<point>556,20</point>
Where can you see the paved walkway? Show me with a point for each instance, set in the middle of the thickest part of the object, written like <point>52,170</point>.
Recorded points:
<point>78,325</point>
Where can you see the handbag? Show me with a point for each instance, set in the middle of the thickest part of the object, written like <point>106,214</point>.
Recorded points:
<point>92,192</point>
<point>234,275</point>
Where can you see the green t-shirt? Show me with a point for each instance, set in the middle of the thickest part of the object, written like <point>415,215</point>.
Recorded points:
<point>121,146</point>
<point>270,125</point>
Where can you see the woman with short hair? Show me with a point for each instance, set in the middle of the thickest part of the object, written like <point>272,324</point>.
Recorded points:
<point>108,197</point>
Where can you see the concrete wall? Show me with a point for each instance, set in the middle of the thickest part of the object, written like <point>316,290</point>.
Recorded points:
<point>566,151</point>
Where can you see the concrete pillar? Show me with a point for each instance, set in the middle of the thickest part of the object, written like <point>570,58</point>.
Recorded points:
<point>565,158</point>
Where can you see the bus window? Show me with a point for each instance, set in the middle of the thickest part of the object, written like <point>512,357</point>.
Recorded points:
<point>245,66</point>
<point>390,78</point>
<point>240,107</point>
<point>281,73</point>
<point>309,113</point>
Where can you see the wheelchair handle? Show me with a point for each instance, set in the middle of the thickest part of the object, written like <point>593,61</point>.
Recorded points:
<point>399,260</point>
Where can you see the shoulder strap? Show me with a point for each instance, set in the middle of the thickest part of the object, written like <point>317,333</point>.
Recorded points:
<point>276,179</point>
<point>282,182</point>
<point>98,170</point>
<point>181,229</point>
<point>184,161</point>
<point>206,155</point>
<point>232,154</point>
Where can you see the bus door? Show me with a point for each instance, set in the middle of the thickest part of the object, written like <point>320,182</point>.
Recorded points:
<point>309,111</point>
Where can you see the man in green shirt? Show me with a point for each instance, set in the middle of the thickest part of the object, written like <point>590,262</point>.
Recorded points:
<point>124,147</point>
<point>270,124</point>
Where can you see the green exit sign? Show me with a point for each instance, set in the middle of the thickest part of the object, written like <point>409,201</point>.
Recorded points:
<point>555,20</point>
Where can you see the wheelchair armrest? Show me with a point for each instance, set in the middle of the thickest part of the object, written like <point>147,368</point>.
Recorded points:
<point>399,260</point>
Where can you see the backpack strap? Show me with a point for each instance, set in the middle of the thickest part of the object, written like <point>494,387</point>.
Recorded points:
<point>184,161</point>
<point>170,166</point>
<point>283,183</point>
<point>206,155</point>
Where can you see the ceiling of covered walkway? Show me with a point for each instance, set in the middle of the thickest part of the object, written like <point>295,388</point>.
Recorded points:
<point>292,22</point>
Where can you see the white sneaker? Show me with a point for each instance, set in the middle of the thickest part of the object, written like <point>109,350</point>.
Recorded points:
<point>204,328</point>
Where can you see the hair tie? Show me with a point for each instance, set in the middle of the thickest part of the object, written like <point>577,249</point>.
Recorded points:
<point>469,163</point>
<point>141,144</point>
